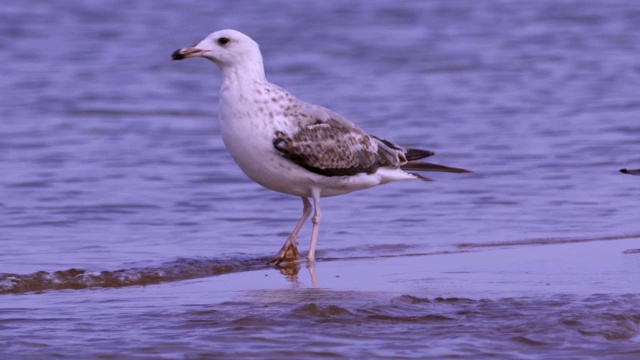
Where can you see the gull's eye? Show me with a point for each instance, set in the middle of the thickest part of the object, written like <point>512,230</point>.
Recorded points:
<point>223,40</point>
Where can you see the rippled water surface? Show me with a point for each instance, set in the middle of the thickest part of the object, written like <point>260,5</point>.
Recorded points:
<point>128,232</point>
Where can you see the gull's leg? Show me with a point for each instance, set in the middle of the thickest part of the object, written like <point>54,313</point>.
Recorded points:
<point>317,216</point>
<point>289,251</point>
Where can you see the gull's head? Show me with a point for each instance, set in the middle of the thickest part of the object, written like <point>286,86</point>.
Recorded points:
<point>227,48</point>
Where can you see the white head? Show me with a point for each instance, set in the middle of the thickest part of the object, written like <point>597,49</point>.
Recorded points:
<point>229,49</point>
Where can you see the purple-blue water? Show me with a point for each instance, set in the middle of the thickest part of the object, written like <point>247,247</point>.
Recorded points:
<point>126,230</point>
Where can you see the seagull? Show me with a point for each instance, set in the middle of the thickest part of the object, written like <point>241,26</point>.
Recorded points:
<point>294,147</point>
<point>630,172</point>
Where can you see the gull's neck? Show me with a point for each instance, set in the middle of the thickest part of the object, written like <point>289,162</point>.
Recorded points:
<point>243,76</point>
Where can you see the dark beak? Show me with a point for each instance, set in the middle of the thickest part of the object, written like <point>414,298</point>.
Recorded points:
<point>187,52</point>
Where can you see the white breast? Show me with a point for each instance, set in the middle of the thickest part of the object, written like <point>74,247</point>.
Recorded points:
<point>248,127</point>
<point>247,131</point>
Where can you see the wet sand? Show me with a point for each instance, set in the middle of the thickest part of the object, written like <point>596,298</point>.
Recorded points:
<point>568,298</point>
<point>577,266</point>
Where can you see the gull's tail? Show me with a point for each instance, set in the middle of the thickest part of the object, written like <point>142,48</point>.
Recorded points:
<point>416,154</point>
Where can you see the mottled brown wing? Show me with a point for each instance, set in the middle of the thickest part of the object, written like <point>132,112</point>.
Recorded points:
<point>329,149</point>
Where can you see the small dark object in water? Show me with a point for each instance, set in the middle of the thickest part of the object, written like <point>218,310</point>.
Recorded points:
<point>630,172</point>
<point>631,251</point>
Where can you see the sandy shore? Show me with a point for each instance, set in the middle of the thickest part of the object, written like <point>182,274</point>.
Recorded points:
<point>576,267</point>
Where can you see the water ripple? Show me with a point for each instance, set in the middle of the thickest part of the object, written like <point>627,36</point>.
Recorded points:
<point>180,269</point>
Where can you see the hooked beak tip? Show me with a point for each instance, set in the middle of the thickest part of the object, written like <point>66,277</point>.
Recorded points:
<point>177,55</point>
<point>186,53</point>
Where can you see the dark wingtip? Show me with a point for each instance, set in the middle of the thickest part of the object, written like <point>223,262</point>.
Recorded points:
<point>423,178</point>
<point>426,166</point>
<point>624,171</point>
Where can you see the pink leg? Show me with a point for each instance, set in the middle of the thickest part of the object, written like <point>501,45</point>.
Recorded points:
<point>289,251</point>
<point>317,216</point>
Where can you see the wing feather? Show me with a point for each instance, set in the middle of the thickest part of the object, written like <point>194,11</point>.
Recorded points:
<point>329,150</point>
<point>326,143</point>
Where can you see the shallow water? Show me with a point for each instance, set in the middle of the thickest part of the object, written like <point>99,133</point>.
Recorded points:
<point>128,232</point>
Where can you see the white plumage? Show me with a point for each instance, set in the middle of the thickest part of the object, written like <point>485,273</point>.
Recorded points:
<point>294,147</point>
